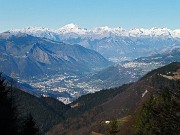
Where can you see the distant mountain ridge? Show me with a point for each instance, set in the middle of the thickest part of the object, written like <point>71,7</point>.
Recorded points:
<point>22,51</point>
<point>125,44</point>
<point>99,31</point>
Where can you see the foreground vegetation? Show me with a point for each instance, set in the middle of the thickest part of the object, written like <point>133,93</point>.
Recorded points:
<point>10,122</point>
<point>159,115</point>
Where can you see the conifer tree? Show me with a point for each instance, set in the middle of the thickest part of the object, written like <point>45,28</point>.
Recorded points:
<point>8,112</point>
<point>159,116</point>
<point>144,119</point>
<point>29,127</point>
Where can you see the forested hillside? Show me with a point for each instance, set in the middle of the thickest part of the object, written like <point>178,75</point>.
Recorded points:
<point>137,108</point>
<point>121,106</point>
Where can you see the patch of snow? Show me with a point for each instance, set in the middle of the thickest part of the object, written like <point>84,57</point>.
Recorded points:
<point>44,95</point>
<point>107,121</point>
<point>144,93</point>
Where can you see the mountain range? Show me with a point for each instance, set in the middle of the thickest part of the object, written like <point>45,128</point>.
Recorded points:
<point>71,61</point>
<point>115,44</point>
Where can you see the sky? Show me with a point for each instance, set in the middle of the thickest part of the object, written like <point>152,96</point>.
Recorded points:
<point>89,14</point>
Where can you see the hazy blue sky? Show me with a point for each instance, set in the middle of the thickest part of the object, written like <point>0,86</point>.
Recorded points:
<point>89,13</point>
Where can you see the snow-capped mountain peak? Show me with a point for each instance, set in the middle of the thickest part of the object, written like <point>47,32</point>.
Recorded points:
<point>157,32</point>
<point>31,30</point>
<point>107,31</point>
<point>161,31</point>
<point>37,32</point>
<point>136,32</point>
<point>176,33</point>
<point>101,30</point>
<point>70,26</point>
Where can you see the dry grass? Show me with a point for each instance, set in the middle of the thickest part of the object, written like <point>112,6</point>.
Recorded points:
<point>122,120</point>
<point>95,133</point>
<point>176,76</point>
